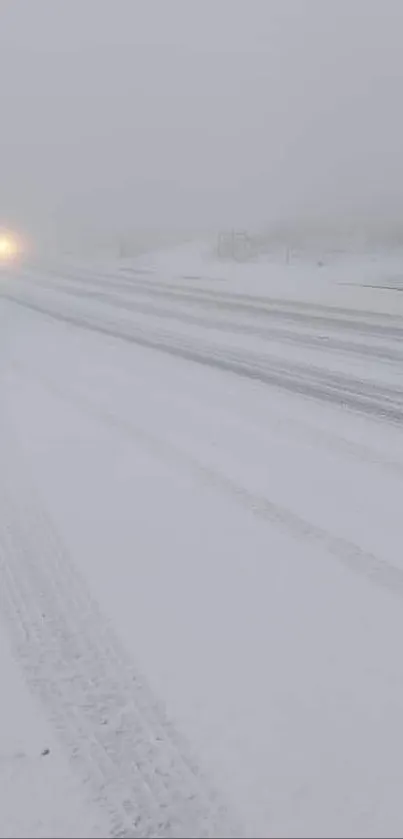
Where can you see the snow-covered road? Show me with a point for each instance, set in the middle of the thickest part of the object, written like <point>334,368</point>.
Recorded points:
<point>201,547</point>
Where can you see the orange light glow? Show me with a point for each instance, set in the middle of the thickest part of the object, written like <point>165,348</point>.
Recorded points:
<point>9,247</point>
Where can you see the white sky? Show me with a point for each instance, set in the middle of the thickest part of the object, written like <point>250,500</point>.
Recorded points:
<point>199,112</point>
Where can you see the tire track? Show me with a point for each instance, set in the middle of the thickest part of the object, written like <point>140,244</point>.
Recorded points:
<point>304,313</point>
<point>379,401</point>
<point>355,559</point>
<point>325,343</point>
<point>131,760</point>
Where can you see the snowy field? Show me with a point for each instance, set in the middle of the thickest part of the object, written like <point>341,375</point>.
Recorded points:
<point>201,548</point>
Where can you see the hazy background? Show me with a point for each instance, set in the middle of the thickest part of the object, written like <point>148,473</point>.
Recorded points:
<point>199,113</point>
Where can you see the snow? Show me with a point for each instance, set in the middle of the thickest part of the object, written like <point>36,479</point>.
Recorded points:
<point>340,280</point>
<point>243,541</point>
<point>39,795</point>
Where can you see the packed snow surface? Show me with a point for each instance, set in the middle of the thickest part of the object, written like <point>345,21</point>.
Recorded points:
<point>201,564</point>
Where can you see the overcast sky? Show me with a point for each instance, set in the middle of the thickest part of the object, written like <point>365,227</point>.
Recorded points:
<point>199,112</point>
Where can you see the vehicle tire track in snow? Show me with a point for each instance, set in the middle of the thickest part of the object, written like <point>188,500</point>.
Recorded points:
<point>384,402</point>
<point>352,556</point>
<point>131,759</point>
<point>327,343</point>
<point>286,426</point>
<point>261,304</point>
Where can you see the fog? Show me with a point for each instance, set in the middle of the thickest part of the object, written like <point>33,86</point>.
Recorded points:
<point>199,113</point>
